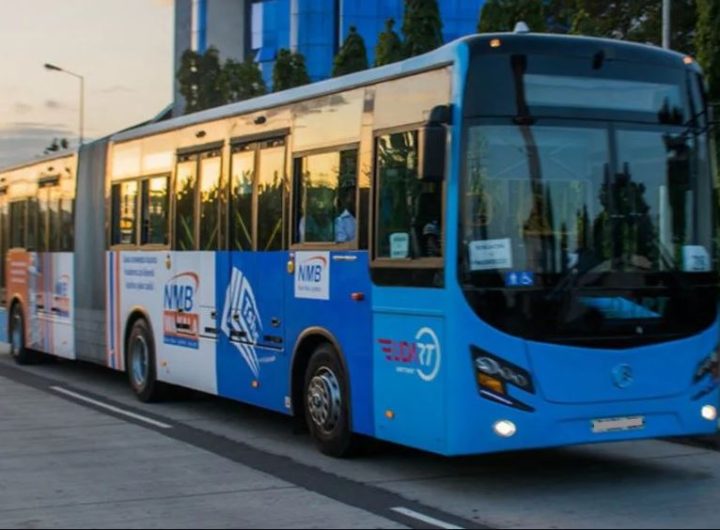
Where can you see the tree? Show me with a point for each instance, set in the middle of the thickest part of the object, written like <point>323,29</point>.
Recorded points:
<point>289,71</point>
<point>241,81</point>
<point>57,145</point>
<point>389,48</point>
<point>422,27</point>
<point>199,78</point>
<point>352,57</point>
<point>707,42</point>
<point>502,15</point>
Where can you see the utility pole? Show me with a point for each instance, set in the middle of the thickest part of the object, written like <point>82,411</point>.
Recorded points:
<point>666,24</point>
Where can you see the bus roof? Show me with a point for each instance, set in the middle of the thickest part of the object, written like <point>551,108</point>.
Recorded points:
<point>437,58</point>
<point>39,161</point>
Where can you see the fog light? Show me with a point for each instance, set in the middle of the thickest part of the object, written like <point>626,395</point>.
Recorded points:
<point>505,429</point>
<point>709,413</point>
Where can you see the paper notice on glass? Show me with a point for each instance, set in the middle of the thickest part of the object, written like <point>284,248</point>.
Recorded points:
<point>400,245</point>
<point>491,254</point>
<point>696,258</point>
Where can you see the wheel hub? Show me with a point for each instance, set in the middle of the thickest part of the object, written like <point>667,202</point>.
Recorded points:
<point>325,400</point>
<point>16,338</point>
<point>139,361</point>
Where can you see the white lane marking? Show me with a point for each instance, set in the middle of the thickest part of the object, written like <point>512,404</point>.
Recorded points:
<point>116,410</point>
<point>424,518</point>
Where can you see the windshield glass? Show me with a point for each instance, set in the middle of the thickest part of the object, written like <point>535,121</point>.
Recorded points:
<point>550,198</point>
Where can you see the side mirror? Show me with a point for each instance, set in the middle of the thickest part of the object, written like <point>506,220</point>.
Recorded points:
<point>433,145</point>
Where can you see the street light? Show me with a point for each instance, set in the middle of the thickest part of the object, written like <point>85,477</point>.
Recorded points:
<point>53,68</point>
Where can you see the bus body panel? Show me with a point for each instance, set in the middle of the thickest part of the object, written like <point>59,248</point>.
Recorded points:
<point>471,416</point>
<point>250,292</point>
<point>411,354</point>
<point>43,284</point>
<point>320,296</point>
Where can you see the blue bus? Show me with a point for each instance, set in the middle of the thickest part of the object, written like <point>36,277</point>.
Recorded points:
<point>507,243</point>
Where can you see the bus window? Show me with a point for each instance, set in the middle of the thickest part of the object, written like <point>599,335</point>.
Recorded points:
<point>54,228</point>
<point>210,169</point>
<point>67,227</point>
<point>17,224</point>
<point>42,232</point>
<point>326,197</point>
<point>408,210</point>
<point>243,172</point>
<point>65,215</point>
<point>185,184</point>
<point>270,198</point>
<point>154,207</point>
<point>124,222</point>
<point>31,242</point>
<point>3,239</point>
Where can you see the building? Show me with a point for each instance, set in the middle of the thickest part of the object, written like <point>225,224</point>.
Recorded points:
<point>315,28</point>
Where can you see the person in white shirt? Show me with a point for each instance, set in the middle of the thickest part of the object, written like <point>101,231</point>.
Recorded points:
<point>345,223</point>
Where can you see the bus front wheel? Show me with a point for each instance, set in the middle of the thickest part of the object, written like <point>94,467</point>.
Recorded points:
<point>326,403</point>
<point>18,350</point>
<point>141,363</point>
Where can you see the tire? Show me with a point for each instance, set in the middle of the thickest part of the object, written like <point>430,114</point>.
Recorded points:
<point>16,332</point>
<point>326,404</point>
<point>140,364</point>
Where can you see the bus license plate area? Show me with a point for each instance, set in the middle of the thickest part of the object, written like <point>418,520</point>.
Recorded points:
<point>610,425</point>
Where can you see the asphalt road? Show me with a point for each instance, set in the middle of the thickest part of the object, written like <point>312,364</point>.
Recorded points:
<point>77,450</point>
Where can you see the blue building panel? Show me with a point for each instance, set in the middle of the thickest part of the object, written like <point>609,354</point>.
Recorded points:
<point>322,26</point>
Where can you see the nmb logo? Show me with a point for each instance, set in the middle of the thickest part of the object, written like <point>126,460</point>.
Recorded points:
<point>180,292</point>
<point>312,275</point>
<point>312,270</point>
<point>181,321</point>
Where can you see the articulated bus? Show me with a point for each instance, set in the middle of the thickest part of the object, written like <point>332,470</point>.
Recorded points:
<point>507,243</point>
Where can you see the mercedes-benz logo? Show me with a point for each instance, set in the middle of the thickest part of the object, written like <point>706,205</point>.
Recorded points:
<point>623,376</point>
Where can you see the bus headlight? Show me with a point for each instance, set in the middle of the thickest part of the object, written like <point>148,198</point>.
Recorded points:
<point>709,413</point>
<point>505,429</point>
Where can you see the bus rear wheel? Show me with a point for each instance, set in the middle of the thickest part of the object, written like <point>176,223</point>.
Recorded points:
<point>18,350</point>
<point>326,404</point>
<point>141,363</point>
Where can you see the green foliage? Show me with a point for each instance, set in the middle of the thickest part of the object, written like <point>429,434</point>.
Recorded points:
<point>502,15</point>
<point>352,57</point>
<point>199,77</point>
<point>290,71</point>
<point>422,27</point>
<point>389,48</point>
<point>241,81</point>
<point>707,42</point>
<point>57,145</point>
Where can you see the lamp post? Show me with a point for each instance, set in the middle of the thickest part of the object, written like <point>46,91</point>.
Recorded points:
<point>666,35</point>
<point>54,68</point>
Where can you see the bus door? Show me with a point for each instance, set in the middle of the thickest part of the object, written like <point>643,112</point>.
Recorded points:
<point>55,269</point>
<point>253,309</point>
<point>190,330</point>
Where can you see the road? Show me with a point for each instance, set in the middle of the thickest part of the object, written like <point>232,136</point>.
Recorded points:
<point>77,450</point>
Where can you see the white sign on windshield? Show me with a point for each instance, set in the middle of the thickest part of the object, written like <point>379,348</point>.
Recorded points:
<point>696,258</point>
<point>491,254</point>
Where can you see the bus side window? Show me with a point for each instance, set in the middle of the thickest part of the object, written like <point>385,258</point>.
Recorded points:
<point>31,242</point>
<point>67,226</point>
<point>326,198</point>
<point>154,211</point>
<point>409,211</point>
<point>17,224</point>
<point>241,198</point>
<point>185,186</point>
<point>124,214</point>
<point>210,170</point>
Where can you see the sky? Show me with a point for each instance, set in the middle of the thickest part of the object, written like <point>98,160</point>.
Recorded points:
<point>123,48</point>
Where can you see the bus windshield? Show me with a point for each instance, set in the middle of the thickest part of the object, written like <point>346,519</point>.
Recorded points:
<point>551,198</point>
<point>588,208</point>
